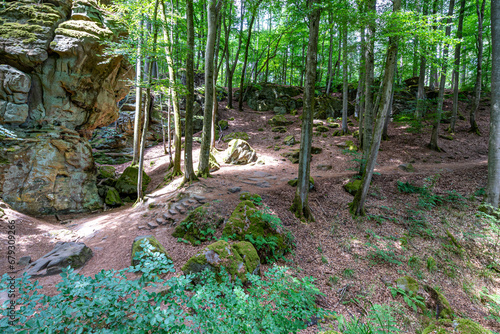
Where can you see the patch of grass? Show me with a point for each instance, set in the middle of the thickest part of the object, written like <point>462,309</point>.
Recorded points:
<point>387,255</point>
<point>348,273</point>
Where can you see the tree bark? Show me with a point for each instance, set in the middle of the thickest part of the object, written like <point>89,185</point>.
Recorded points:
<point>477,88</point>
<point>231,68</point>
<point>345,92</point>
<point>204,165</point>
<point>138,105</point>
<point>300,205</point>
<point>189,174</point>
<point>357,206</point>
<point>493,188</point>
<point>140,195</point>
<point>433,145</point>
<point>370,66</point>
<point>330,55</point>
<point>456,68</point>
<point>420,109</point>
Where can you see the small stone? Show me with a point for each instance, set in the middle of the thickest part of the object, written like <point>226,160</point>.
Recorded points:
<point>24,261</point>
<point>324,167</point>
<point>159,221</point>
<point>152,225</point>
<point>181,209</point>
<point>141,227</point>
<point>192,201</point>
<point>199,198</point>
<point>407,168</point>
<point>185,204</point>
<point>172,212</point>
<point>263,184</point>
<point>234,190</point>
<point>166,216</point>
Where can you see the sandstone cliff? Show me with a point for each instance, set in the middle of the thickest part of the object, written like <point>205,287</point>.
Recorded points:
<point>56,86</point>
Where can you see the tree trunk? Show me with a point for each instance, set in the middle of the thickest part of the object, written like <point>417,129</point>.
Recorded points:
<point>433,145</point>
<point>300,205</point>
<point>357,206</point>
<point>215,108</point>
<point>433,71</point>
<point>493,189</point>
<point>204,165</point>
<point>420,109</point>
<point>477,88</point>
<point>370,66</point>
<point>345,92</point>
<point>230,69</point>
<point>456,68</point>
<point>189,174</point>
<point>174,98</point>
<point>138,106</point>
<point>330,55</point>
<point>140,194</point>
<point>245,61</point>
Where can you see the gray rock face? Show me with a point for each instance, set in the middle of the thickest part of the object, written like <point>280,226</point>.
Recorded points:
<point>56,87</point>
<point>239,152</point>
<point>268,96</point>
<point>73,254</point>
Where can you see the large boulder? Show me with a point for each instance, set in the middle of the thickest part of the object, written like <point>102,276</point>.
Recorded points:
<point>64,254</point>
<point>200,224</point>
<point>269,96</point>
<point>261,228</point>
<point>237,260</point>
<point>239,152</point>
<point>58,85</point>
<point>127,182</point>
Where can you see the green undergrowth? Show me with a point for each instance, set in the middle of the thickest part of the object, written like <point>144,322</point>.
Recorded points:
<point>138,299</point>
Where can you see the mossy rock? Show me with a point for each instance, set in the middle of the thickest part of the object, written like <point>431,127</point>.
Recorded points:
<point>464,326</point>
<point>441,303</point>
<point>294,182</point>
<point>262,229</point>
<point>105,172</point>
<point>254,198</point>
<point>200,224</point>
<point>279,120</point>
<point>137,247</point>
<point>353,187</point>
<point>407,284</point>
<point>239,152</point>
<point>333,125</point>
<point>337,133</point>
<point>113,197</point>
<point>235,135</point>
<point>223,124</point>
<point>322,128</point>
<point>292,156</point>
<point>220,255</point>
<point>355,134</point>
<point>249,255</point>
<point>279,129</point>
<point>127,182</point>
<point>213,163</point>
<point>351,146</point>
<point>289,140</point>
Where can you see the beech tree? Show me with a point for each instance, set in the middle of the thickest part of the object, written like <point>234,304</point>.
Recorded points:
<point>300,205</point>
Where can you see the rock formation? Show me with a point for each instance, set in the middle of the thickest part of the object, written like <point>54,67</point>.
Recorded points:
<point>56,87</point>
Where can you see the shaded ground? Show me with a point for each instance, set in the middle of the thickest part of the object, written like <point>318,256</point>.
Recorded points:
<point>335,249</point>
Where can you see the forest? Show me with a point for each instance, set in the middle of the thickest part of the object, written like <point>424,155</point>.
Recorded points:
<point>250,166</point>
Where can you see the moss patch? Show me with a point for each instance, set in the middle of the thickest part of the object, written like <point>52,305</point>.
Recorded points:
<point>157,247</point>
<point>127,182</point>
<point>26,32</point>
<point>464,326</point>
<point>84,29</point>
<point>353,187</point>
<point>235,135</point>
<point>199,225</point>
<point>113,197</point>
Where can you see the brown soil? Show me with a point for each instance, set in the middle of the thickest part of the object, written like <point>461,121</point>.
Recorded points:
<point>332,246</point>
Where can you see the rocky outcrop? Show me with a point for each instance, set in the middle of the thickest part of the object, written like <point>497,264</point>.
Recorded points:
<point>268,96</point>
<point>57,87</point>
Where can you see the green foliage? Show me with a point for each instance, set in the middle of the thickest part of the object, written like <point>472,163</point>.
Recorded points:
<point>112,303</point>
<point>411,298</point>
<point>491,217</point>
<point>492,303</point>
<point>387,255</point>
<point>380,320</point>
<point>348,273</point>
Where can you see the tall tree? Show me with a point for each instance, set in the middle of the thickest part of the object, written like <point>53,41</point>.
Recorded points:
<point>493,189</point>
<point>189,174</point>
<point>456,68</point>
<point>357,206</point>
<point>138,103</point>
<point>369,77</point>
<point>477,88</point>
<point>212,13</point>
<point>345,91</point>
<point>433,145</point>
<point>300,205</point>
<point>420,110</point>
<point>231,68</point>
<point>140,194</point>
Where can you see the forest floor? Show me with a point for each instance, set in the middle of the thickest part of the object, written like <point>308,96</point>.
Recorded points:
<point>351,259</point>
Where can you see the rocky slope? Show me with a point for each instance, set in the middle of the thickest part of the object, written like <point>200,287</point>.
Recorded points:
<point>56,87</point>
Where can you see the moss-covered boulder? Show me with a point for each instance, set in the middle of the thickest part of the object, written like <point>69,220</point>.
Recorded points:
<point>223,124</point>
<point>113,197</point>
<point>353,187</point>
<point>333,125</point>
<point>440,302</point>
<point>127,182</point>
<point>137,247</point>
<point>222,254</point>
<point>322,128</point>
<point>214,164</point>
<point>239,152</point>
<point>235,135</point>
<point>249,255</point>
<point>255,198</point>
<point>407,284</point>
<point>464,326</point>
<point>316,150</point>
<point>105,172</point>
<point>264,230</point>
<point>200,224</point>
<point>279,129</point>
<point>289,140</point>
<point>279,120</point>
